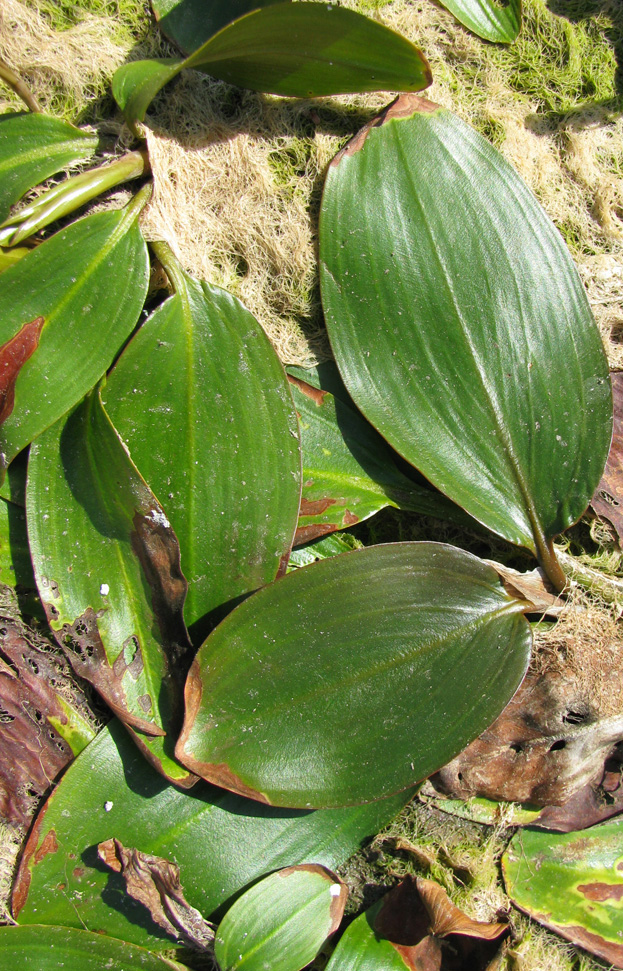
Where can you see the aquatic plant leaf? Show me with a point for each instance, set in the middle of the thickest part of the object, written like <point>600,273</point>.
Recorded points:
<point>303,50</point>
<point>490,376</point>
<point>220,841</point>
<point>349,471</point>
<point>416,644</point>
<point>34,146</point>
<point>488,19</point>
<point>70,949</point>
<point>15,562</point>
<point>201,400</point>
<point>107,569</point>
<point>88,284</point>
<point>571,883</point>
<point>281,922</point>
<point>190,23</point>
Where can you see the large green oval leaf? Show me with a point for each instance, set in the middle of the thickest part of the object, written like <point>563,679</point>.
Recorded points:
<point>201,400</point>
<point>33,147</point>
<point>489,19</point>
<point>65,310</point>
<point>355,677</point>
<point>460,325</point>
<point>221,842</point>
<point>282,922</point>
<point>107,569</point>
<point>299,49</point>
<point>45,948</point>
<point>572,883</point>
<point>349,471</point>
<point>190,23</point>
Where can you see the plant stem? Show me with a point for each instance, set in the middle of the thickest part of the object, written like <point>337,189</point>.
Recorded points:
<point>546,555</point>
<point>65,198</point>
<point>20,87</point>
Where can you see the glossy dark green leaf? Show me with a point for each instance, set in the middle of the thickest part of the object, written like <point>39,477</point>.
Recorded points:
<point>361,949</point>
<point>460,325</point>
<point>190,23</point>
<point>572,883</point>
<point>495,20</point>
<point>282,922</point>
<point>415,644</point>
<point>15,563</point>
<point>8,257</point>
<point>88,283</point>
<point>44,948</point>
<point>349,471</point>
<point>299,49</point>
<point>221,842</point>
<point>33,147</point>
<point>202,402</point>
<point>107,568</point>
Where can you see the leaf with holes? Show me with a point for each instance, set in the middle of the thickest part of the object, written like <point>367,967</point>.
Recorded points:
<point>573,884</point>
<point>33,147</point>
<point>65,310</point>
<point>491,378</point>
<point>349,472</point>
<point>490,19</point>
<point>282,922</point>
<point>107,569</point>
<point>220,842</point>
<point>41,714</point>
<point>52,948</point>
<point>190,23</point>
<point>416,644</point>
<point>201,400</point>
<point>303,50</point>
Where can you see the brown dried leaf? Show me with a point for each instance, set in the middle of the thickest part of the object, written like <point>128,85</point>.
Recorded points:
<point>608,499</point>
<point>446,918</point>
<point>430,933</point>
<point>590,805</point>
<point>155,883</point>
<point>32,752</point>
<point>546,745</point>
<point>532,586</point>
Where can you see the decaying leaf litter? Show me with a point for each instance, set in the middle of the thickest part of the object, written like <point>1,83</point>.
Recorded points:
<point>543,172</point>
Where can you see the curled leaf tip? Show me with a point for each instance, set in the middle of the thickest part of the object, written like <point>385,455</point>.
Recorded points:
<point>404,106</point>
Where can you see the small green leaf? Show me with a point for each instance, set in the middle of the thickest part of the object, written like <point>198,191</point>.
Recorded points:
<point>107,569</point>
<point>221,842</point>
<point>190,23</point>
<point>202,402</point>
<point>361,948</point>
<point>88,284</point>
<point>415,644</point>
<point>282,922</point>
<point>303,50</point>
<point>349,471</point>
<point>321,549</point>
<point>490,19</point>
<point>46,948</point>
<point>460,325</point>
<point>572,883</point>
<point>33,147</point>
